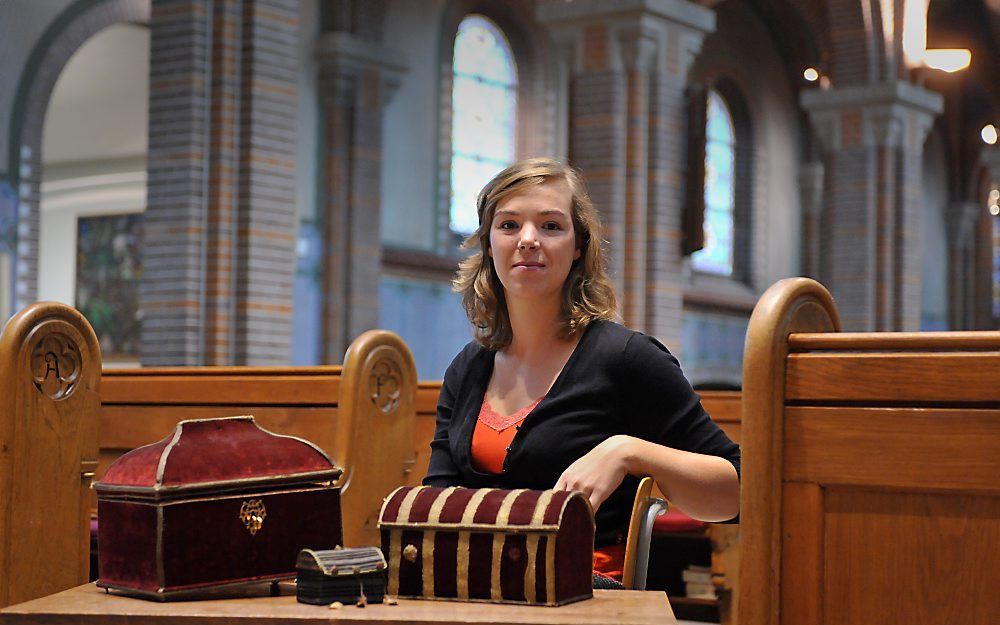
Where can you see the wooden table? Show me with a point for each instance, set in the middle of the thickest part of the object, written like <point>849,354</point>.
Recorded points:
<point>88,604</point>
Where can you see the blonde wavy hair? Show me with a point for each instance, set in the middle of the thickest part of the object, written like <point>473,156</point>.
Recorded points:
<point>587,293</point>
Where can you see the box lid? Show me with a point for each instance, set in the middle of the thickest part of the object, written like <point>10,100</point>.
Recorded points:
<point>341,562</point>
<point>484,510</point>
<point>215,455</point>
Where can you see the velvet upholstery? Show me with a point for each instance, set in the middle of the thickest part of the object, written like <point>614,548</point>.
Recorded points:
<point>239,449</point>
<point>493,545</point>
<point>262,498</point>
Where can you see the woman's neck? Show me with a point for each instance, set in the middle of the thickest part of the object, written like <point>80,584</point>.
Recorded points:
<point>534,326</point>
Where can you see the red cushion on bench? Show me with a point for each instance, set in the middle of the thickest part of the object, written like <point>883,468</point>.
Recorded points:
<point>676,521</point>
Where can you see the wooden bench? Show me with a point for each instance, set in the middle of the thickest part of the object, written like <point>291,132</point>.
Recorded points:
<point>870,470</point>
<point>50,371</point>
<point>361,414</point>
<point>55,435</point>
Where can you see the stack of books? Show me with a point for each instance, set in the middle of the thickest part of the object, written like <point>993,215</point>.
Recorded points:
<point>698,582</point>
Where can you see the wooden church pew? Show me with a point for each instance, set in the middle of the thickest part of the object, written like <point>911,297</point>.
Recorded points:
<point>361,414</point>
<point>50,371</point>
<point>870,485</point>
<point>724,406</point>
<point>56,438</point>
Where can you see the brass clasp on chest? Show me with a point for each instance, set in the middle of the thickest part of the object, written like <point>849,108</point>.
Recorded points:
<point>253,513</point>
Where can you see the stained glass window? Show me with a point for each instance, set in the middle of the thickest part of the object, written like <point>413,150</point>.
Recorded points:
<point>996,267</point>
<point>484,112</point>
<point>995,212</point>
<point>717,255</point>
<point>108,269</point>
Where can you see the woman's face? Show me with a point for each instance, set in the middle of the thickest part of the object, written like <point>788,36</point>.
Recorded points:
<point>532,242</point>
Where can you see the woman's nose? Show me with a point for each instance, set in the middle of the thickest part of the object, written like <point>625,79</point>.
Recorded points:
<point>529,238</point>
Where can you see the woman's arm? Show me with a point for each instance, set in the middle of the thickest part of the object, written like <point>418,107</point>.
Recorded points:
<point>441,468</point>
<point>664,433</point>
<point>704,487</point>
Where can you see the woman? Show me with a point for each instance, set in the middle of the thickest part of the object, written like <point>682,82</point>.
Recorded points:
<point>553,393</point>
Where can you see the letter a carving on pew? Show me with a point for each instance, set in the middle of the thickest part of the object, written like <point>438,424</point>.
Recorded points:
<point>54,365</point>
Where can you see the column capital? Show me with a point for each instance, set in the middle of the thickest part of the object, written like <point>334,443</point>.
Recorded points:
<point>680,12</point>
<point>343,56</point>
<point>642,35</point>
<point>890,114</point>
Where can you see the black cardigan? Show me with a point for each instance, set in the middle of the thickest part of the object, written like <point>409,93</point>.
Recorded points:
<point>617,381</point>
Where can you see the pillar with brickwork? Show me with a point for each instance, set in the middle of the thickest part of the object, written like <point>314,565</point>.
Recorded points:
<point>811,197</point>
<point>628,64</point>
<point>357,77</point>
<point>873,137</point>
<point>220,223</point>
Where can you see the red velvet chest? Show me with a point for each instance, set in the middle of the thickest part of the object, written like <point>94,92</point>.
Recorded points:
<point>520,546</point>
<point>218,502</point>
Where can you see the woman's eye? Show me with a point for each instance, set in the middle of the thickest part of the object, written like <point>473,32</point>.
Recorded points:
<point>552,226</point>
<point>507,225</point>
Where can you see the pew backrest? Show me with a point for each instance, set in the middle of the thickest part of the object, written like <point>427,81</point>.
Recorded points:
<point>50,370</point>
<point>361,414</point>
<point>724,406</point>
<point>870,465</point>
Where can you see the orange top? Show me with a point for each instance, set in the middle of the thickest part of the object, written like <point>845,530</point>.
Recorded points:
<point>493,434</point>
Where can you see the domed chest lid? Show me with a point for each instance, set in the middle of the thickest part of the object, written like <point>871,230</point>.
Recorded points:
<point>216,455</point>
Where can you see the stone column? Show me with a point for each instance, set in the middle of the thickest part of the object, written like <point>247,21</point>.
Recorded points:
<point>961,263</point>
<point>811,197</point>
<point>873,138</point>
<point>219,229</point>
<point>357,77</point>
<point>628,64</point>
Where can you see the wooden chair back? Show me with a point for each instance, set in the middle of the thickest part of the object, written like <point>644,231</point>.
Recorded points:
<point>50,371</point>
<point>361,414</point>
<point>870,464</point>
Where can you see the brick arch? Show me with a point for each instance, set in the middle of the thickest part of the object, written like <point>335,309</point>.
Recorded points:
<point>67,33</point>
<point>857,47</point>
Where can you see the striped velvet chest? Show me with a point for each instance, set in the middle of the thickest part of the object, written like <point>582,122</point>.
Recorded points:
<point>500,546</point>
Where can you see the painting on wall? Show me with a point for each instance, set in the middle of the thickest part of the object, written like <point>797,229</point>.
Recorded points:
<point>108,270</point>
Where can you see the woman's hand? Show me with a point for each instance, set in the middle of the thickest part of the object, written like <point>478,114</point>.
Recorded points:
<point>704,487</point>
<point>600,471</point>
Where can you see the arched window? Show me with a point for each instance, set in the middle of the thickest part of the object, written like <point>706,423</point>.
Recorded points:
<point>720,190</point>
<point>484,114</point>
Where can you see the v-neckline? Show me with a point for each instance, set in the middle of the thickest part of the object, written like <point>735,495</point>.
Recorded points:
<point>470,424</point>
<point>555,383</point>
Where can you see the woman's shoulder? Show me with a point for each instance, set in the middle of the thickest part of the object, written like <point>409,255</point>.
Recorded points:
<point>472,355</point>
<point>615,338</point>
<point>613,334</point>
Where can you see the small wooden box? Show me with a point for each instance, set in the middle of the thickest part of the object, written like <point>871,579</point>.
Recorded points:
<point>218,502</point>
<point>344,575</point>
<point>499,546</point>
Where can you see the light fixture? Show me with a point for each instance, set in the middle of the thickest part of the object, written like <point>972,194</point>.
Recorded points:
<point>811,74</point>
<point>994,210</point>
<point>989,134</point>
<point>947,60</point>
<point>915,49</point>
<point>994,196</point>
